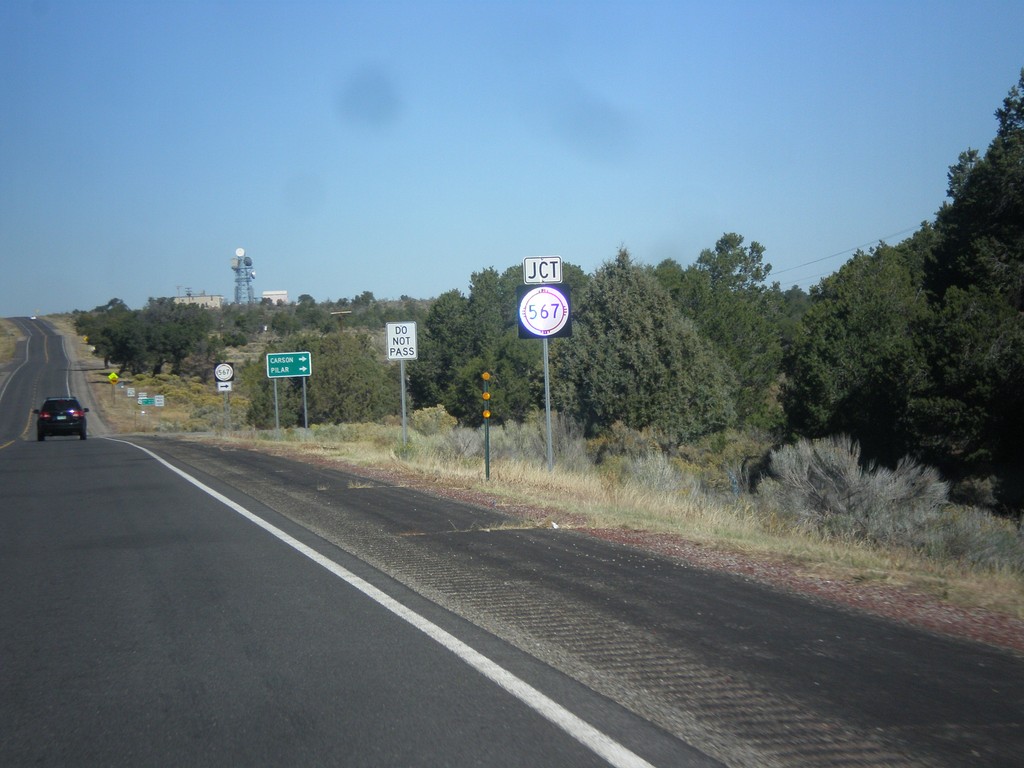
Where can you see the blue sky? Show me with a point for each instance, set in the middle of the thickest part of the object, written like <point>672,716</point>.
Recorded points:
<point>398,147</point>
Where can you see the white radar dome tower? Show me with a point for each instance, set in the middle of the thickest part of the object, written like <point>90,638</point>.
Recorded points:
<point>241,265</point>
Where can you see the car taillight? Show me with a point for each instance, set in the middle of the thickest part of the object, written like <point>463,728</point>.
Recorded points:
<point>45,415</point>
<point>76,414</point>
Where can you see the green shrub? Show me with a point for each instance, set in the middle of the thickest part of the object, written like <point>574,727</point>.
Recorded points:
<point>731,461</point>
<point>655,472</point>
<point>620,440</point>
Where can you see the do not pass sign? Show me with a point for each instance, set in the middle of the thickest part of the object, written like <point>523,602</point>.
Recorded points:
<point>401,341</point>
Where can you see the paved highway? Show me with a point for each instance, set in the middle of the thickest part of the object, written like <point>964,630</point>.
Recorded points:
<point>167,602</point>
<point>40,369</point>
<point>147,618</point>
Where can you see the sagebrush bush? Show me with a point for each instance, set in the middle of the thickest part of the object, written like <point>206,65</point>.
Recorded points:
<point>977,538</point>
<point>432,421</point>
<point>461,443</point>
<point>822,485</point>
<point>518,442</point>
<point>825,486</point>
<point>527,441</point>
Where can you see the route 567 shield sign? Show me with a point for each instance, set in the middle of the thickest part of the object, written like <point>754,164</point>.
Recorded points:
<point>544,311</point>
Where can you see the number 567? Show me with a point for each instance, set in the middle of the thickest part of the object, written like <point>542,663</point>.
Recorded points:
<point>546,311</point>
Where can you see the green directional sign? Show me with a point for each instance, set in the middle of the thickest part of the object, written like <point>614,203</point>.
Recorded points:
<point>285,364</point>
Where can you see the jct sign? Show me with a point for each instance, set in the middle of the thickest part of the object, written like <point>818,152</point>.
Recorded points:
<point>401,341</point>
<point>542,269</point>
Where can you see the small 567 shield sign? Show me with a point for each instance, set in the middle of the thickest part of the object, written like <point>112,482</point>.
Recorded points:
<point>544,311</point>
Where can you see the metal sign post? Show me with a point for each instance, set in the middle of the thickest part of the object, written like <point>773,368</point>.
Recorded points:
<point>224,373</point>
<point>282,365</point>
<point>547,407</point>
<point>544,313</point>
<point>401,375</point>
<point>277,415</point>
<point>401,344</point>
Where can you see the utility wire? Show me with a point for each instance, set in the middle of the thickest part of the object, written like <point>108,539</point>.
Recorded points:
<point>842,253</point>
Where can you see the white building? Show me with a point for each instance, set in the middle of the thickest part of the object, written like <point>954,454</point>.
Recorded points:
<point>276,297</point>
<point>201,299</point>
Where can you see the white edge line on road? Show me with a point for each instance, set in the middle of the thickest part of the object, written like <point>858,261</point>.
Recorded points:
<point>589,736</point>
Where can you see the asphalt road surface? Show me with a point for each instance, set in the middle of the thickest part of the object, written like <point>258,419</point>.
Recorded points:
<point>167,602</point>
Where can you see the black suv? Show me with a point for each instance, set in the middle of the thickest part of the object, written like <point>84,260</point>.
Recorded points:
<point>60,416</point>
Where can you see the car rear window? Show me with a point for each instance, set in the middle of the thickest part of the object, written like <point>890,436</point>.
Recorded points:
<point>61,405</point>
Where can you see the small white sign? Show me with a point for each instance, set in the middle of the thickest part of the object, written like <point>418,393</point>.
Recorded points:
<point>224,372</point>
<point>131,391</point>
<point>223,386</point>
<point>159,401</point>
<point>401,341</point>
<point>542,269</point>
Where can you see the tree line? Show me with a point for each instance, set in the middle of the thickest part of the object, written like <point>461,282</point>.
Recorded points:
<point>913,349</point>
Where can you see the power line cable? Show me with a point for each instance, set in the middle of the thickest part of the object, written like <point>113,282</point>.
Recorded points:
<point>841,253</point>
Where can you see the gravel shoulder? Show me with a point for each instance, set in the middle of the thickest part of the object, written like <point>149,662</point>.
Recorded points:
<point>890,601</point>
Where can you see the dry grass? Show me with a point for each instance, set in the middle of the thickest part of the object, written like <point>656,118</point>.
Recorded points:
<point>9,336</point>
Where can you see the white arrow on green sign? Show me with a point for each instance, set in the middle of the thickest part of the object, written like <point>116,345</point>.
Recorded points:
<point>285,364</point>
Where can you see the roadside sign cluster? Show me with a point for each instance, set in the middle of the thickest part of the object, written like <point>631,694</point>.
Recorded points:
<point>544,312</point>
